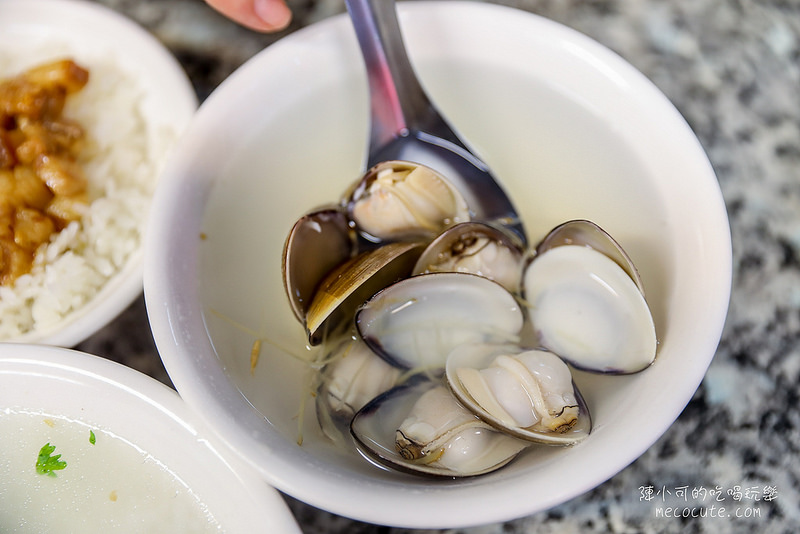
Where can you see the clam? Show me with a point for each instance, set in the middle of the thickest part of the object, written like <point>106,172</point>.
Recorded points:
<point>588,308</point>
<point>401,200</point>
<point>318,242</point>
<point>418,321</point>
<point>355,376</point>
<point>526,393</point>
<point>350,284</point>
<point>477,248</point>
<point>419,427</point>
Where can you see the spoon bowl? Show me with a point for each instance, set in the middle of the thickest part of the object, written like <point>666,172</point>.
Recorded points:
<point>405,124</point>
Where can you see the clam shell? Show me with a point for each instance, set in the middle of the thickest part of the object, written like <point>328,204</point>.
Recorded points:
<point>345,288</point>
<point>584,307</point>
<point>317,243</point>
<point>417,322</point>
<point>464,446</point>
<point>586,233</point>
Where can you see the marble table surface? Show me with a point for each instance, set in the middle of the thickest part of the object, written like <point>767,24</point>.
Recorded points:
<point>732,68</point>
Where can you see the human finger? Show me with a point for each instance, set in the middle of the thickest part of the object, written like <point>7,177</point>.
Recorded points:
<point>259,15</point>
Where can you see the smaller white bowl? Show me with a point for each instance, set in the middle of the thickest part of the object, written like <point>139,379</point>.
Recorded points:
<point>125,58</point>
<point>153,463</point>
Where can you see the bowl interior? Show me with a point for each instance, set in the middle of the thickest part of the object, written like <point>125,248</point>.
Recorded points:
<point>571,131</point>
<point>145,444</point>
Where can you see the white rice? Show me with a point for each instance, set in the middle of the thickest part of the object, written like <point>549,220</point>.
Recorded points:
<point>122,168</point>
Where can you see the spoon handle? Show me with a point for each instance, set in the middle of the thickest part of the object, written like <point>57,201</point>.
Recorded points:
<point>398,102</point>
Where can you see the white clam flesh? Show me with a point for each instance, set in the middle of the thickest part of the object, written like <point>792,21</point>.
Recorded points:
<point>417,322</point>
<point>355,376</point>
<point>402,200</point>
<point>420,427</point>
<point>527,393</point>
<point>476,248</point>
<point>584,307</point>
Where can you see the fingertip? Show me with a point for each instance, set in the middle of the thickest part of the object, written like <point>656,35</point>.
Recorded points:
<point>258,15</point>
<point>275,14</point>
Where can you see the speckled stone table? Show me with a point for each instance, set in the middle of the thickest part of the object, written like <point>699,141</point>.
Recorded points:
<point>732,68</point>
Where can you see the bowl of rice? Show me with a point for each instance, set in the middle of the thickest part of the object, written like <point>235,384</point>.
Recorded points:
<point>132,109</point>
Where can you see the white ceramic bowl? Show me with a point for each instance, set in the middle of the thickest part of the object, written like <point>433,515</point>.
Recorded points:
<point>36,31</point>
<point>570,129</point>
<point>149,449</point>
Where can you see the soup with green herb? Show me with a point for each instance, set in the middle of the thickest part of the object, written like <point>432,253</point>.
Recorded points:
<point>62,475</point>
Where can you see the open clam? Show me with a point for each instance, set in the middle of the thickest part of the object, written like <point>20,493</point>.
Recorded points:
<point>403,200</point>
<point>418,321</point>
<point>526,393</point>
<point>419,427</point>
<point>586,306</point>
<point>477,248</point>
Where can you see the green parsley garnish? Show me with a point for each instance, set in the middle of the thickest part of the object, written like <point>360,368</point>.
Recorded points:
<point>92,439</point>
<point>48,463</point>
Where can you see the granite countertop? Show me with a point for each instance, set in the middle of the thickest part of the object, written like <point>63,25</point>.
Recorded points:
<point>732,68</point>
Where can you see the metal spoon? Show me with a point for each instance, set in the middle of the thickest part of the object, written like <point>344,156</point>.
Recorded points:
<point>405,125</point>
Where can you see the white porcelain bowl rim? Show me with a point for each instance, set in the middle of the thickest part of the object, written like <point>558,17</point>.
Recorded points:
<point>177,320</point>
<point>123,401</point>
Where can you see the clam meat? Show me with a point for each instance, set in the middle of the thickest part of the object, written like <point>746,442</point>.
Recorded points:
<point>476,248</point>
<point>402,200</point>
<point>528,393</point>
<point>355,376</point>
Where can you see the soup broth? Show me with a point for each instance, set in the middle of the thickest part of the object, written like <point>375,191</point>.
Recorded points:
<point>107,484</point>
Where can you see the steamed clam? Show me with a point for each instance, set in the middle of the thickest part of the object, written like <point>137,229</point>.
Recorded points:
<point>589,308</point>
<point>476,248</point>
<point>527,393</point>
<point>419,427</point>
<point>403,200</point>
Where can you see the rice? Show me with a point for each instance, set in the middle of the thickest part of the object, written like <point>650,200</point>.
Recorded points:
<point>123,159</point>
